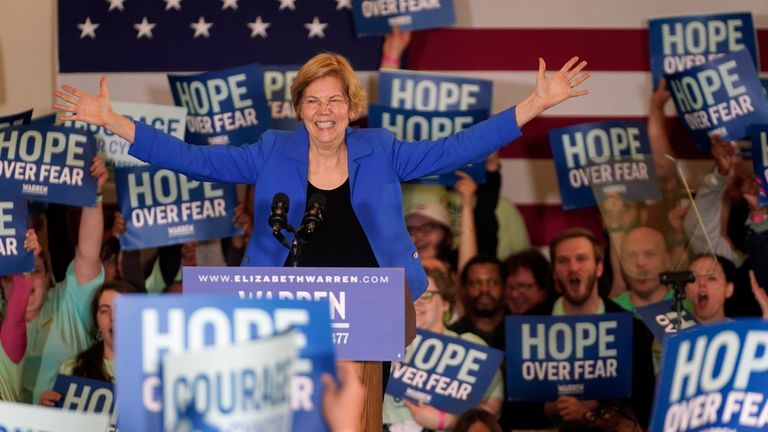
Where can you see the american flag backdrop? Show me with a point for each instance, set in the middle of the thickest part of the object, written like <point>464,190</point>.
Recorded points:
<point>493,39</point>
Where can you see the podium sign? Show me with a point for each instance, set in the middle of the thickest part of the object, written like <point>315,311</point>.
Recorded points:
<point>366,304</point>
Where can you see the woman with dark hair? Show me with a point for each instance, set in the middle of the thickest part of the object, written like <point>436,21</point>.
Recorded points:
<point>476,420</point>
<point>529,282</point>
<point>96,362</point>
<point>713,286</point>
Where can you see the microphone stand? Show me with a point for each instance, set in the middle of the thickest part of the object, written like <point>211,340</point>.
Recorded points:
<point>677,281</point>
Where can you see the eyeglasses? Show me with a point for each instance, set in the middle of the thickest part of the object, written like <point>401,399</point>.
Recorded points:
<point>423,228</point>
<point>314,104</point>
<point>427,296</point>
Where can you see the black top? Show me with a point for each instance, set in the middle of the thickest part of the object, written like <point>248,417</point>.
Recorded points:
<point>339,241</point>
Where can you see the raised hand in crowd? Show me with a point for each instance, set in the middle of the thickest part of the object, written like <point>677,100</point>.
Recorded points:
<point>725,154</point>
<point>467,188</point>
<point>343,403</point>
<point>88,252</point>
<point>395,43</point>
<point>118,227</point>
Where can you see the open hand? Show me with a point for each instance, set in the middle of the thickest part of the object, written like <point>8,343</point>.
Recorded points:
<point>93,109</point>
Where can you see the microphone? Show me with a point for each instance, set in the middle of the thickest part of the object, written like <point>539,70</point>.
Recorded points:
<point>314,215</point>
<point>278,216</point>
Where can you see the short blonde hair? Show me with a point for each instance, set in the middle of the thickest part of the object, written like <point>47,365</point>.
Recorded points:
<point>328,64</point>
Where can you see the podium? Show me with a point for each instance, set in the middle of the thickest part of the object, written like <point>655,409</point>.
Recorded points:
<point>367,307</point>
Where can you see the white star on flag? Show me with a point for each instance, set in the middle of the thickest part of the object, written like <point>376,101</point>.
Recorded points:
<point>144,28</point>
<point>316,28</point>
<point>87,28</point>
<point>229,4</point>
<point>287,4</point>
<point>115,4</point>
<point>172,4</point>
<point>343,4</point>
<point>258,27</point>
<point>202,28</point>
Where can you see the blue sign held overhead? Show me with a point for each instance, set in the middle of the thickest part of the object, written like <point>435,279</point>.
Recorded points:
<point>603,157</point>
<point>723,96</point>
<point>376,17</point>
<point>411,125</point>
<point>682,42</point>
<point>366,310</point>
<point>448,373</point>
<point>759,133</point>
<point>430,92</point>
<point>582,356</point>
<point>713,377</point>
<point>12,120</point>
<point>149,327</point>
<point>14,220</point>
<point>85,395</point>
<point>48,163</point>
<point>161,208</point>
<point>223,107</point>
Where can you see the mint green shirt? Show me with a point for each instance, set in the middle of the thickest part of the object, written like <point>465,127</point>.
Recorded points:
<point>58,333</point>
<point>10,379</point>
<point>396,412</point>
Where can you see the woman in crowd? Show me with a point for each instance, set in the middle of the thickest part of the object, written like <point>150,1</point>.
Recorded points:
<point>96,362</point>
<point>529,283</point>
<point>713,286</point>
<point>433,309</point>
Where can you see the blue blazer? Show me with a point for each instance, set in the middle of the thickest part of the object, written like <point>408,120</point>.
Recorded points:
<point>378,163</point>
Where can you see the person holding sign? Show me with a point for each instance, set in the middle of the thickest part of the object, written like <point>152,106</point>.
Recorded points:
<point>96,362</point>
<point>577,263</point>
<point>433,309</point>
<point>57,315</point>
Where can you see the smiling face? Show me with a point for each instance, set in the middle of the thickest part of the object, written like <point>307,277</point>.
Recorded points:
<point>522,291</point>
<point>104,317</point>
<point>427,235</point>
<point>430,309</point>
<point>709,292</point>
<point>325,111</point>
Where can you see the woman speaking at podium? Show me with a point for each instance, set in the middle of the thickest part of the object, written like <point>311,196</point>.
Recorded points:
<point>358,170</point>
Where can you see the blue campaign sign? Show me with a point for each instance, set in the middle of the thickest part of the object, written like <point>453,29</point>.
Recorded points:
<point>162,207</point>
<point>149,327</point>
<point>85,395</point>
<point>114,150</point>
<point>19,119</point>
<point>277,88</point>
<point>48,163</point>
<point>411,125</point>
<point>449,373</point>
<point>376,17</point>
<point>430,92</point>
<point>713,377</point>
<point>366,305</point>
<point>764,83</point>
<point>14,220</point>
<point>682,42</point>
<point>759,133</point>
<point>223,107</point>
<point>582,356</point>
<point>595,158</point>
<point>723,96</point>
<point>661,319</point>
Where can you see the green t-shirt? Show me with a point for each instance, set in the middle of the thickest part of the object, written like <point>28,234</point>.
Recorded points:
<point>10,379</point>
<point>394,410</point>
<point>58,333</point>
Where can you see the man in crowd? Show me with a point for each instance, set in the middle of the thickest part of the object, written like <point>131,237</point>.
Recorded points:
<point>482,282</point>
<point>643,257</point>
